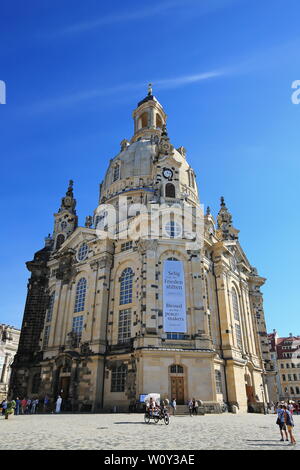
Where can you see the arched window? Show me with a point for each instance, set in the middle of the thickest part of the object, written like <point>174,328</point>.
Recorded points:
<point>118,378</point>
<point>159,121</point>
<point>235,305</point>
<point>50,308</point>
<point>172,259</point>
<point>144,120</point>
<point>80,295</point>
<point>170,190</point>
<point>116,172</point>
<point>236,316</point>
<point>126,286</point>
<point>59,241</point>
<point>82,252</point>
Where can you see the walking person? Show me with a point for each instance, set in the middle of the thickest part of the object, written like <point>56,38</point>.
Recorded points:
<point>10,408</point>
<point>289,422</point>
<point>4,406</point>
<point>58,404</point>
<point>195,407</point>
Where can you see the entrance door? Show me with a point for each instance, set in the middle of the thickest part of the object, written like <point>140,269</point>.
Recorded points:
<point>64,385</point>
<point>177,389</point>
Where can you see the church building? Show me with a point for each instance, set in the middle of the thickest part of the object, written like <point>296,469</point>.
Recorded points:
<point>153,294</point>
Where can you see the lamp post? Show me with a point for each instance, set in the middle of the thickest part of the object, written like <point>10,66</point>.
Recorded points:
<point>263,396</point>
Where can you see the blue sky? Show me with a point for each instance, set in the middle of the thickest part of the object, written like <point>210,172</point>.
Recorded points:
<point>222,69</point>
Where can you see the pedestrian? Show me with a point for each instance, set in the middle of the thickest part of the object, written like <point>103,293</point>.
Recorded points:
<point>4,406</point>
<point>291,407</point>
<point>174,406</point>
<point>28,406</point>
<point>23,405</point>
<point>58,404</point>
<point>10,408</point>
<point>195,407</point>
<point>46,403</point>
<point>18,405</point>
<point>280,422</point>
<point>289,422</point>
<point>33,406</point>
<point>190,405</point>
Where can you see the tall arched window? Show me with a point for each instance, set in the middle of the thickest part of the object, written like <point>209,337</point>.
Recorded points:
<point>59,241</point>
<point>236,316</point>
<point>50,308</point>
<point>235,305</point>
<point>126,286</point>
<point>116,172</point>
<point>170,190</point>
<point>80,295</point>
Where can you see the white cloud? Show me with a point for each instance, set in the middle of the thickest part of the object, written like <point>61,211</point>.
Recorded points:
<point>67,101</point>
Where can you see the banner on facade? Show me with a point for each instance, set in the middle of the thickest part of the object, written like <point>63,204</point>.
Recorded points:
<point>174,310</point>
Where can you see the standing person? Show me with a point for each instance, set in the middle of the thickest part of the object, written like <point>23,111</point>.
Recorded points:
<point>190,405</point>
<point>174,406</point>
<point>23,405</point>
<point>33,406</point>
<point>281,424</point>
<point>18,405</point>
<point>28,406</point>
<point>58,404</point>
<point>46,403</point>
<point>289,422</point>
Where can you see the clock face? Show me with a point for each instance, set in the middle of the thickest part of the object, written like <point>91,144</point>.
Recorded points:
<point>167,173</point>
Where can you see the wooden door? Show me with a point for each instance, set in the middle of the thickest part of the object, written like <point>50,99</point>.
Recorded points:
<point>177,389</point>
<point>64,385</point>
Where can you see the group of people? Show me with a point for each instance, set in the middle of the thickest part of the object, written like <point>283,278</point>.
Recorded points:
<point>285,421</point>
<point>292,406</point>
<point>193,406</point>
<point>28,406</point>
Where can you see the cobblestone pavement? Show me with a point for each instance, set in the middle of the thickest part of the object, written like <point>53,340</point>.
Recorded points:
<point>128,431</point>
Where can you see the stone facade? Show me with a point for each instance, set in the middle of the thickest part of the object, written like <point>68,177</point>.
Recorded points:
<point>93,327</point>
<point>9,340</point>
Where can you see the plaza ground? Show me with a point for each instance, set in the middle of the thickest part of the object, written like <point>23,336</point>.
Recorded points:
<point>128,431</point>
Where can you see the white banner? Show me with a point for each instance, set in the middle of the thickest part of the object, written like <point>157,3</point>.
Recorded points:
<point>174,310</point>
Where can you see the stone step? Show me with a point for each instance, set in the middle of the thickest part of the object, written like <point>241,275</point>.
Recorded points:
<point>184,410</point>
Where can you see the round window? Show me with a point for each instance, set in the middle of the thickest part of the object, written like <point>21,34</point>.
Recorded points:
<point>82,252</point>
